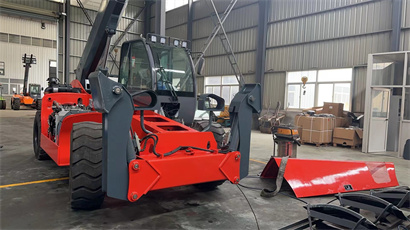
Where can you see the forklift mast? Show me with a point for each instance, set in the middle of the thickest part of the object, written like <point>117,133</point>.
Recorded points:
<point>96,49</point>
<point>27,61</point>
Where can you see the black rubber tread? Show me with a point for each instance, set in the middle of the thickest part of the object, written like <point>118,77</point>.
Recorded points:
<point>38,104</point>
<point>86,166</point>
<point>94,169</point>
<point>15,105</point>
<point>2,104</point>
<point>39,153</point>
<point>83,178</point>
<point>219,133</point>
<point>216,129</point>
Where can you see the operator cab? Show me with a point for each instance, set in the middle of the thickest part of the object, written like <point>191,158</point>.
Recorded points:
<point>162,64</point>
<point>34,91</point>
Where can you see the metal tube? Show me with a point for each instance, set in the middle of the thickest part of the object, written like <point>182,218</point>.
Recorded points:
<point>67,42</point>
<point>142,122</point>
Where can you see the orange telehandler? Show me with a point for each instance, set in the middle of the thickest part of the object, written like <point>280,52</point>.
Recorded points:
<point>31,96</point>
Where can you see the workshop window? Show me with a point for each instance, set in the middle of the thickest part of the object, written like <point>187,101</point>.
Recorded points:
<point>223,86</point>
<point>330,85</point>
<point>173,4</point>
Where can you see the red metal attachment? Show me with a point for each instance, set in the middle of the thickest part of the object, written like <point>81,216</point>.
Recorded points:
<point>180,169</point>
<point>322,177</point>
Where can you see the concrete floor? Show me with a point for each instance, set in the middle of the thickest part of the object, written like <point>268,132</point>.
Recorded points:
<point>46,205</point>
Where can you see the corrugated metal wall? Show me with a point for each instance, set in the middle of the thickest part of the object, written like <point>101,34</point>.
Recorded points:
<point>27,31</point>
<point>273,93</point>
<point>80,30</point>
<point>405,26</point>
<point>302,34</point>
<point>359,88</point>
<point>241,28</point>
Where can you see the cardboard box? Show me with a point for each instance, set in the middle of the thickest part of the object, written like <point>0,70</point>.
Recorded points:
<point>299,124</point>
<point>318,123</point>
<point>317,130</point>
<point>317,137</point>
<point>342,122</point>
<point>333,108</point>
<point>318,110</point>
<point>348,136</point>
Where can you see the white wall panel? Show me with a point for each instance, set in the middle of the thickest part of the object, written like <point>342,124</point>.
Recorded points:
<point>26,27</point>
<point>11,55</point>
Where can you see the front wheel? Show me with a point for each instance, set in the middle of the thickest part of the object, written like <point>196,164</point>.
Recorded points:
<point>216,129</point>
<point>2,104</point>
<point>39,153</point>
<point>15,104</point>
<point>86,166</point>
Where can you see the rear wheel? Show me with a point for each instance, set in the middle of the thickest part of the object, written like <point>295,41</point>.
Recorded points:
<point>15,104</point>
<point>2,104</point>
<point>86,166</point>
<point>39,153</point>
<point>219,133</point>
<point>38,104</point>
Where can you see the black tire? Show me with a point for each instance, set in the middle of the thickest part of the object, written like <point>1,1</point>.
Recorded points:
<point>86,166</point>
<point>219,133</point>
<point>216,129</point>
<point>2,104</point>
<point>15,104</point>
<point>39,153</point>
<point>38,104</point>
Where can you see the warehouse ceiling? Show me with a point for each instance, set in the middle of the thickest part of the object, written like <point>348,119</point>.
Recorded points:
<point>94,4</point>
<point>88,4</point>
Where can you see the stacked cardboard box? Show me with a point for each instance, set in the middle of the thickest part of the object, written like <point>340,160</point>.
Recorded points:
<point>333,108</point>
<point>347,136</point>
<point>299,124</point>
<point>318,130</point>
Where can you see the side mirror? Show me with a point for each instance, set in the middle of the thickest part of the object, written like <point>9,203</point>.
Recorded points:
<point>42,88</point>
<point>211,102</point>
<point>145,100</point>
<point>200,66</point>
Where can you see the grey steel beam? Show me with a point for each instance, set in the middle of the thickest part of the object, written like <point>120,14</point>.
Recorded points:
<point>23,10</point>
<point>264,6</point>
<point>189,23</point>
<point>85,12</point>
<point>396,25</point>
<point>160,17</point>
<point>118,40</point>
<point>67,42</point>
<point>147,17</point>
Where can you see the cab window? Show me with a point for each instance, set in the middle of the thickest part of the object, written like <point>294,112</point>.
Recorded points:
<point>135,71</point>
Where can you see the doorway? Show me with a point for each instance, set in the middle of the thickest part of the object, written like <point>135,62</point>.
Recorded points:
<point>379,121</point>
<point>387,110</point>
